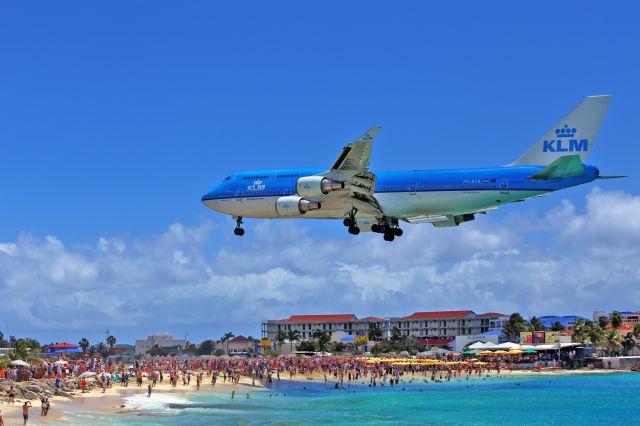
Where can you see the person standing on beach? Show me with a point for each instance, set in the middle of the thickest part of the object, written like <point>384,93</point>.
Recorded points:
<point>148,391</point>
<point>12,395</point>
<point>25,411</point>
<point>1,421</point>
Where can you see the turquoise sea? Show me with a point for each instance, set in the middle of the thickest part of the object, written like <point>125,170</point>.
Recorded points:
<point>585,399</point>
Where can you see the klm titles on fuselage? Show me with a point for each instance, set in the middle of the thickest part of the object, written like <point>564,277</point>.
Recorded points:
<point>563,143</point>
<point>257,186</point>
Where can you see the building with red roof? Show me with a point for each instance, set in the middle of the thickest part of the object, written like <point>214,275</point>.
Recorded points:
<point>422,325</point>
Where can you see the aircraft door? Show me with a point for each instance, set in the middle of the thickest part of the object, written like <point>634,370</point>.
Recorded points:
<point>504,186</point>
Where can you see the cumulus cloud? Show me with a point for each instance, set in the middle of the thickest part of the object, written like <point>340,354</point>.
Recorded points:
<point>192,279</point>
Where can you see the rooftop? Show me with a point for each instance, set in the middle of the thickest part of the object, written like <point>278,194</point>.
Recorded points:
<point>437,315</point>
<point>493,315</point>
<point>319,318</point>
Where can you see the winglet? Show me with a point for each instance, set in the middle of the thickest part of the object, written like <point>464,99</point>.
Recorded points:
<point>369,135</point>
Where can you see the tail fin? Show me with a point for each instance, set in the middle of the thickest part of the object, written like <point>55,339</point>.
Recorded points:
<point>574,134</point>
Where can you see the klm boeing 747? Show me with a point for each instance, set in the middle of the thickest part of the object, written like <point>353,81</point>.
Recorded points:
<point>379,202</point>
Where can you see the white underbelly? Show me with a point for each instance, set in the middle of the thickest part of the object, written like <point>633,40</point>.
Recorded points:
<point>394,204</point>
<point>404,204</point>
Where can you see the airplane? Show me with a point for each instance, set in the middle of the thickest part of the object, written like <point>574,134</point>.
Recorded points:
<point>379,202</point>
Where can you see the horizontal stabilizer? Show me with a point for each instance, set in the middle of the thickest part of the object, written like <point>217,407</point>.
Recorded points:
<point>564,167</point>
<point>611,177</point>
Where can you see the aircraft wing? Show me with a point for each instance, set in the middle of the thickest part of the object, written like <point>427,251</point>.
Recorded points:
<point>352,168</point>
<point>354,158</point>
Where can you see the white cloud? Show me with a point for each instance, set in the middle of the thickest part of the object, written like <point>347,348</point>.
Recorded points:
<point>178,281</point>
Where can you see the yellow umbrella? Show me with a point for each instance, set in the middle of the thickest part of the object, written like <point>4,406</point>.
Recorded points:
<point>501,352</point>
<point>514,352</point>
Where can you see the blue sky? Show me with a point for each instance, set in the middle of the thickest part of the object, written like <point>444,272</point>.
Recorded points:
<point>115,118</point>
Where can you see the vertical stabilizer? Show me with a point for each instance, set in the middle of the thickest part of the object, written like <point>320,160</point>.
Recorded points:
<point>575,134</point>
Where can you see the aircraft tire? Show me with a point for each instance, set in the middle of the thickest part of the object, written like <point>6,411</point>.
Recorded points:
<point>389,237</point>
<point>346,222</point>
<point>239,232</point>
<point>398,232</point>
<point>354,230</point>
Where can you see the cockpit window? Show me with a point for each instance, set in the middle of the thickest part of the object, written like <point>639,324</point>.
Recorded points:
<point>227,178</point>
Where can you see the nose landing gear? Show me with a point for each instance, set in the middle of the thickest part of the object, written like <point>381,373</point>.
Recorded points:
<point>238,231</point>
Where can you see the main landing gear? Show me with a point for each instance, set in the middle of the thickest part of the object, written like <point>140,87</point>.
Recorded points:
<point>238,231</point>
<point>351,222</point>
<point>388,227</point>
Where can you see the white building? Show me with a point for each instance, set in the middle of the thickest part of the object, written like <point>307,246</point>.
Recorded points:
<point>164,341</point>
<point>305,325</point>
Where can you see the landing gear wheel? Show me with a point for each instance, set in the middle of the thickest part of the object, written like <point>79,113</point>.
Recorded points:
<point>346,221</point>
<point>397,232</point>
<point>389,237</point>
<point>354,230</point>
<point>238,231</point>
<point>375,228</point>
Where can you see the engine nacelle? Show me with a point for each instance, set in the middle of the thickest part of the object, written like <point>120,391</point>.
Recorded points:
<point>316,186</point>
<point>455,221</point>
<point>293,205</point>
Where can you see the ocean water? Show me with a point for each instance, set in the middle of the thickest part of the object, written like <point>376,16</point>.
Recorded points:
<point>585,399</point>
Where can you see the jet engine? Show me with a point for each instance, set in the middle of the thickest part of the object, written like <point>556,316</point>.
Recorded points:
<point>316,186</point>
<point>293,205</point>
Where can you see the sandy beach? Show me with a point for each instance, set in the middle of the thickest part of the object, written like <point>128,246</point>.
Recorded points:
<point>113,400</point>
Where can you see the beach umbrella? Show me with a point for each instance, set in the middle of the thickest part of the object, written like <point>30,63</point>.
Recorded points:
<point>501,352</point>
<point>61,362</point>
<point>530,351</point>
<point>469,353</point>
<point>19,363</point>
<point>87,374</point>
<point>514,352</point>
<point>486,353</point>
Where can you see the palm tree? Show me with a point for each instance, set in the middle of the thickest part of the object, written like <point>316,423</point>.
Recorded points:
<point>612,340</point>
<point>374,332</point>
<point>292,335</point>
<point>227,336</point>
<point>557,326</point>
<point>536,325</point>
<point>514,326</point>
<point>628,343</point>
<point>323,339</point>
<point>111,340</point>
<point>280,338</point>
<point>616,319</point>
<point>603,322</point>
<point>84,344</point>
<point>596,334</point>
<point>636,331</point>
<point>581,330</point>
<point>101,349</point>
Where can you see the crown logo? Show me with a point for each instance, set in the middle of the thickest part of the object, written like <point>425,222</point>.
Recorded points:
<point>257,182</point>
<point>566,132</point>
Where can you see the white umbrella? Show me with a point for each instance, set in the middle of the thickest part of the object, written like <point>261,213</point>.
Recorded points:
<point>61,362</point>
<point>19,362</point>
<point>87,374</point>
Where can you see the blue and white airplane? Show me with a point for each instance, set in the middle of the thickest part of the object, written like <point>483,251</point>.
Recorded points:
<point>380,202</point>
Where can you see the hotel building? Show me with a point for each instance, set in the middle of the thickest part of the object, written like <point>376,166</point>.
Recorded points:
<point>432,328</point>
